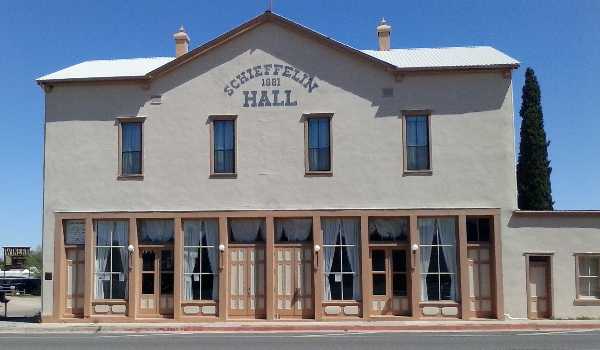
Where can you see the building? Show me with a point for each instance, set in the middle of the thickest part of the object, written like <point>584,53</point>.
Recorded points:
<point>276,173</point>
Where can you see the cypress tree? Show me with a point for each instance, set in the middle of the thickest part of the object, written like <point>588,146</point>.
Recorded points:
<point>533,166</point>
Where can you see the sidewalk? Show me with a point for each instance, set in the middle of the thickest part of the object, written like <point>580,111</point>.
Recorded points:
<point>301,326</point>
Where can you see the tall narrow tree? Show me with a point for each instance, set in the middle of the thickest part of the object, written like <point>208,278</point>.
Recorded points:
<point>533,166</point>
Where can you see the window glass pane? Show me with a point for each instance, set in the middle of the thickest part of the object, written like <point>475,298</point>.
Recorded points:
<point>323,132</point>
<point>155,231</point>
<point>74,232</point>
<point>472,231</point>
<point>399,284</point>
<point>119,286</point>
<point>201,232</point>
<point>205,264</point>
<point>166,283</point>
<point>433,262</point>
<point>336,265</point>
<point>103,259</point>
<point>224,146</point>
<point>378,260</point>
<point>335,287</point>
<point>378,284</point>
<point>246,230</point>
<point>588,266</point>
<point>293,230</point>
<point>102,286</point>
<point>433,288</point>
<point>349,261</point>
<point>446,286</point>
<point>166,261</point>
<point>148,261</point>
<point>103,232</point>
<point>417,143</point>
<point>484,229</point>
<point>589,287</point>
<point>131,145</point>
<point>207,282</point>
<point>148,283</point>
<point>119,259</point>
<point>399,261</point>
<point>348,286</point>
<point>319,155</point>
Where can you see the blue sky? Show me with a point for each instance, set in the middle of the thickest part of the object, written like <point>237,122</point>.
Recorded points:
<point>559,39</point>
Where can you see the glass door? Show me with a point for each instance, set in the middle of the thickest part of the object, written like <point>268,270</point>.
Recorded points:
<point>149,295</point>
<point>389,295</point>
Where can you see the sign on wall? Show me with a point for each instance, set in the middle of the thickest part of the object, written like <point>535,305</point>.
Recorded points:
<point>275,85</point>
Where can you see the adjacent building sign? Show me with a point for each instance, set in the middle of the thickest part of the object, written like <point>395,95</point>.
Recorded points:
<point>273,88</point>
<point>14,257</point>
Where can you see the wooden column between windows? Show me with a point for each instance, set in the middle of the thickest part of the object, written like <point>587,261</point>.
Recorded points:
<point>223,270</point>
<point>270,268</point>
<point>497,290</point>
<point>365,264</point>
<point>88,267</point>
<point>59,270</point>
<point>178,268</point>
<point>465,300</point>
<point>134,271</point>
<point>318,267</point>
<point>415,282</point>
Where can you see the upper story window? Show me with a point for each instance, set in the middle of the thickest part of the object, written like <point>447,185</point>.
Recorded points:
<point>588,276</point>
<point>223,147</point>
<point>131,146</point>
<point>417,153</point>
<point>318,144</point>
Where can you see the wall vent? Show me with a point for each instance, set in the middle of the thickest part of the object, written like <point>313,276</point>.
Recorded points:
<point>387,92</point>
<point>156,100</point>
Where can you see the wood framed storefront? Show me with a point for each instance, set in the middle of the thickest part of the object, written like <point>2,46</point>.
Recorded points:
<point>303,263</point>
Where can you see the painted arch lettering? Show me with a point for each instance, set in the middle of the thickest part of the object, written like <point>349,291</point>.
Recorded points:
<point>270,77</point>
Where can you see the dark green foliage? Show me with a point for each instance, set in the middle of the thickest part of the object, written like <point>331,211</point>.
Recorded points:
<point>533,166</point>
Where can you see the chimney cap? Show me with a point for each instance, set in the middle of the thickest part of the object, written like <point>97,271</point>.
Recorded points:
<point>383,26</point>
<point>181,35</point>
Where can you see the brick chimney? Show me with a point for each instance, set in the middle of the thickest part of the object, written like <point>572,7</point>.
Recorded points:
<point>383,34</point>
<point>181,42</point>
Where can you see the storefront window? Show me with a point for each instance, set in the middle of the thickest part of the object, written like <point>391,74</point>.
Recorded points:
<point>340,252</point>
<point>438,259</point>
<point>111,259</point>
<point>201,259</point>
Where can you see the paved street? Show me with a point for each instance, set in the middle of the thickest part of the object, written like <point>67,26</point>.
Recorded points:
<point>506,341</point>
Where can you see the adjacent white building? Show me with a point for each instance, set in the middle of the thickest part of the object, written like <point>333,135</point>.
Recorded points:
<point>276,173</point>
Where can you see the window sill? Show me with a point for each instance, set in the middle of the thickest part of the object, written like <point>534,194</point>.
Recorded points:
<point>130,177</point>
<point>418,172</point>
<point>109,301</point>
<point>318,173</point>
<point>439,303</point>
<point>223,175</point>
<point>586,302</point>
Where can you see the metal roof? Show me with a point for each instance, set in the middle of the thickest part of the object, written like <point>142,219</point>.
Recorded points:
<point>445,58</point>
<point>108,69</point>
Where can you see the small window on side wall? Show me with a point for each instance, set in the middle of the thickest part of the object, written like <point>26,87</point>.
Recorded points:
<point>130,147</point>
<point>416,140</point>
<point>588,276</point>
<point>318,144</point>
<point>223,146</point>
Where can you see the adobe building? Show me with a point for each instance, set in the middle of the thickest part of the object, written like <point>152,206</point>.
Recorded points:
<point>275,173</point>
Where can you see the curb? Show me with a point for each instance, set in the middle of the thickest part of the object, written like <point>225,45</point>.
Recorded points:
<point>453,328</point>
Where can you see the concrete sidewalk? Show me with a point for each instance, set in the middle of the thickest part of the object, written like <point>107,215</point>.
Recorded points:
<point>301,326</point>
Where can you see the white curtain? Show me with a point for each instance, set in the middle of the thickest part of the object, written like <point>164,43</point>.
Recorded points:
<point>296,230</point>
<point>102,255</point>
<point>190,255</point>
<point>211,230</point>
<point>447,236</point>
<point>389,228</point>
<point>426,233</point>
<point>331,229</point>
<point>350,232</point>
<point>247,230</point>
<point>155,231</point>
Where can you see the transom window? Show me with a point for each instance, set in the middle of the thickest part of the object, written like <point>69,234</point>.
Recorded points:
<point>478,229</point>
<point>388,230</point>
<point>417,142</point>
<point>224,146</point>
<point>340,253</point>
<point>588,276</point>
<point>131,148</point>
<point>111,259</point>
<point>201,259</point>
<point>438,258</point>
<point>74,232</point>
<point>318,144</point>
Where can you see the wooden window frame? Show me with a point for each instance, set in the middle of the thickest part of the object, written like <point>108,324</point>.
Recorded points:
<point>221,117</point>
<point>579,299</point>
<point>200,274</point>
<point>306,118</point>
<point>416,113</point>
<point>120,122</point>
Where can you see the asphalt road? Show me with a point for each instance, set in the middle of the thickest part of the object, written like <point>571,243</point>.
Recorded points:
<point>346,341</point>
